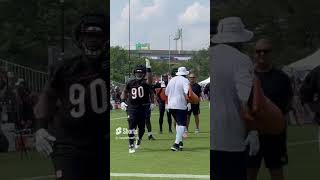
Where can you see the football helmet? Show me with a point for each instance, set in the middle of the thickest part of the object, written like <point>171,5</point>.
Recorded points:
<point>140,72</point>
<point>91,34</point>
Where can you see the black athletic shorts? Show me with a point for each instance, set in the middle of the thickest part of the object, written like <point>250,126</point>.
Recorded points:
<point>228,165</point>
<point>180,116</point>
<point>195,109</point>
<point>137,116</point>
<point>273,150</point>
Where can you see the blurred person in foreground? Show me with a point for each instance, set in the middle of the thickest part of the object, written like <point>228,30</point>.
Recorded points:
<point>231,73</point>
<point>73,107</point>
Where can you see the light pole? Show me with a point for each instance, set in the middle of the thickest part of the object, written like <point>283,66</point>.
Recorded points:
<point>129,43</point>
<point>169,54</point>
<point>62,29</point>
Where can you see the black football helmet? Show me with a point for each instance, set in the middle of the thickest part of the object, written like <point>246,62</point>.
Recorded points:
<point>91,34</point>
<point>140,72</point>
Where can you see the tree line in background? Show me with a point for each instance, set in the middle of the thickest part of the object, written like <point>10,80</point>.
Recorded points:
<point>120,66</point>
<point>27,28</point>
<point>292,25</point>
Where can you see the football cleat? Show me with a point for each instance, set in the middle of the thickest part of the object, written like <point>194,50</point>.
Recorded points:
<point>181,145</point>
<point>137,145</point>
<point>196,131</point>
<point>175,147</point>
<point>151,137</point>
<point>131,149</point>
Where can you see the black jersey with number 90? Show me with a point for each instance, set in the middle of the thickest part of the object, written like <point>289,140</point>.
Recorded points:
<point>82,93</point>
<point>139,92</point>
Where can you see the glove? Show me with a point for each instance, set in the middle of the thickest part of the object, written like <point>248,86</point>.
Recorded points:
<point>253,141</point>
<point>189,106</point>
<point>124,106</point>
<point>152,106</point>
<point>148,66</point>
<point>44,142</point>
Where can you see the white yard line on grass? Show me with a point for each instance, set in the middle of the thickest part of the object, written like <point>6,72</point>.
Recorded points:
<point>178,176</point>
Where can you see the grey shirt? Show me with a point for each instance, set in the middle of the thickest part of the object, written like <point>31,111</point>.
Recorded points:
<point>231,72</point>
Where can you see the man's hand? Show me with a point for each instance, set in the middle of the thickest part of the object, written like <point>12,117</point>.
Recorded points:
<point>124,106</point>
<point>189,106</point>
<point>44,142</point>
<point>166,107</point>
<point>148,66</point>
<point>253,141</point>
<point>152,106</point>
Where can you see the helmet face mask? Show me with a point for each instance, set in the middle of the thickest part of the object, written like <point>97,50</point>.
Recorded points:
<point>139,75</point>
<point>93,43</point>
<point>91,35</point>
<point>139,72</point>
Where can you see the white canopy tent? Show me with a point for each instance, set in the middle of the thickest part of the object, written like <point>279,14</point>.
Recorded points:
<point>307,63</point>
<point>204,82</point>
<point>302,67</point>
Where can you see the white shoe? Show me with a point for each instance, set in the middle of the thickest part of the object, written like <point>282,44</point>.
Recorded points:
<point>131,150</point>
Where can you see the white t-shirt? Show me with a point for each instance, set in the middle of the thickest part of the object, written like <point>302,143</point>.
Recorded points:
<point>177,90</point>
<point>231,72</point>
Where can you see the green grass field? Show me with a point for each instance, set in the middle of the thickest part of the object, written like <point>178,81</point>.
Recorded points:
<point>155,157</point>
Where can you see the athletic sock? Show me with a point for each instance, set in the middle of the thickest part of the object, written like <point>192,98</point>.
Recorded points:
<point>131,137</point>
<point>179,133</point>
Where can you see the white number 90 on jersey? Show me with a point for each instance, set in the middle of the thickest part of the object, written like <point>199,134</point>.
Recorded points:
<point>79,101</point>
<point>137,92</point>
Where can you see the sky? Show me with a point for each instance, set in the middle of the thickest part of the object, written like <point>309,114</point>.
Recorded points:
<point>152,21</point>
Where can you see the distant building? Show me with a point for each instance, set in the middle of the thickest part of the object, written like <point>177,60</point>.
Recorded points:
<point>163,55</point>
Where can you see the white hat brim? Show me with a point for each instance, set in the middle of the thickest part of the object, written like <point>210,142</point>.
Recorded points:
<point>244,36</point>
<point>182,74</point>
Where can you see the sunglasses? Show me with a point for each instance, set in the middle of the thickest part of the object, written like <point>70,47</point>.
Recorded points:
<point>265,51</point>
<point>192,77</point>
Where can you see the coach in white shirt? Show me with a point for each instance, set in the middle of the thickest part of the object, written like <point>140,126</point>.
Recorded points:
<point>177,91</point>
<point>231,74</point>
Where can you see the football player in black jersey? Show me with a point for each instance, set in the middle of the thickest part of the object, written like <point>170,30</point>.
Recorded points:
<point>73,107</point>
<point>135,99</point>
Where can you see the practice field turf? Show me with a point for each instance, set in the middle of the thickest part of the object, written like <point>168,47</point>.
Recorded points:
<point>155,157</point>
